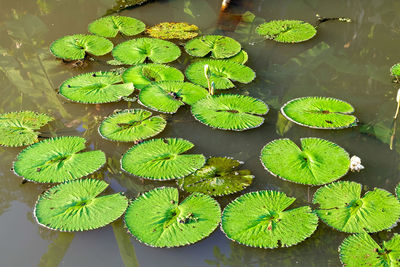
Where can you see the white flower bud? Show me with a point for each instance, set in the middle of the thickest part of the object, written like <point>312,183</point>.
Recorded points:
<point>355,164</point>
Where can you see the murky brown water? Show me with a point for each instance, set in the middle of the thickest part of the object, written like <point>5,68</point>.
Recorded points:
<point>347,61</point>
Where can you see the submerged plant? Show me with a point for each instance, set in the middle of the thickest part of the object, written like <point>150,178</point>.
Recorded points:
<point>287,31</point>
<point>173,30</point>
<point>19,128</point>
<point>112,25</point>
<point>162,159</point>
<point>158,219</point>
<point>260,219</point>
<point>57,160</point>
<point>217,45</point>
<point>76,206</point>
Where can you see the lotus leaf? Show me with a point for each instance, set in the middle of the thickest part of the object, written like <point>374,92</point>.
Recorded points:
<point>217,45</point>
<point>240,57</point>
<point>287,31</point>
<point>110,26</point>
<point>395,70</point>
<point>173,30</point>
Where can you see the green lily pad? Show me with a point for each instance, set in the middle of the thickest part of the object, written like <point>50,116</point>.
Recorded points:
<point>157,219</point>
<point>395,70</point>
<point>398,191</point>
<point>217,45</point>
<point>75,47</point>
<point>110,26</point>
<point>230,112</point>
<point>361,250</point>
<point>57,160</point>
<point>342,207</point>
<point>168,96</point>
<point>138,50</point>
<point>173,30</point>
<point>131,125</point>
<point>260,219</point>
<point>76,206</point>
<point>320,112</point>
<point>144,74</point>
<point>162,159</point>
<point>240,57</point>
<point>96,88</point>
<point>18,128</point>
<point>287,31</point>
<point>317,162</point>
<point>217,178</point>
<point>221,72</point>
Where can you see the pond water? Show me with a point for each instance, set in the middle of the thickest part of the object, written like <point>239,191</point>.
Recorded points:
<point>349,61</point>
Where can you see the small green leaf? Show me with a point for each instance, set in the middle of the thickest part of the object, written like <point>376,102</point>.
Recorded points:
<point>395,70</point>
<point>173,30</point>
<point>287,31</point>
<point>219,46</point>
<point>110,26</point>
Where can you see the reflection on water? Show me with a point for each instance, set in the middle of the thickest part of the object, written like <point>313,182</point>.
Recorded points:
<point>349,61</point>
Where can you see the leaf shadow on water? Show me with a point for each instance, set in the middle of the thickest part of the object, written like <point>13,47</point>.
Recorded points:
<point>56,250</point>
<point>126,248</point>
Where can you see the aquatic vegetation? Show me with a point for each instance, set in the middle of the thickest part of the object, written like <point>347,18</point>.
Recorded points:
<point>144,74</point>
<point>77,206</point>
<point>320,112</point>
<point>217,177</point>
<point>19,128</point>
<point>395,70</point>
<point>75,47</point>
<point>398,191</point>
<point>168,96</point>
<point>240,57</point>
<point>267,223</point>
<point>138,50</point>
<point>173,30</point>
<point>96,87</point>
<point>131,125</point>
<point>361,250</point>
<point>56,160</point>
<point>162,159</point>
<point>158,219</point>
<point>342,207</point>
<point>317,162</point>
<point>217,45</point>
<point>222,73</point>
<point>230,112</point>
<point>287,31</point>
<point>112,25</point>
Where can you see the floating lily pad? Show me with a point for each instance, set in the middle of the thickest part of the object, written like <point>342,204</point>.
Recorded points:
<point>145,74</point>
<point>361,250</point>
<point>110,26</point>
<point>342,207</point>
<point>287,31</point>
<point>230,112</point>
<point>131,125</point>
<point>138,50</point>
<point>240,57</point>
<point>162,159</point>
<point>173,30</point>
<point>217,45</point>
<point>157,219</point>
<point>317,162</point>
<point>96,88</point>
<point>320,112</point>
<point>221,72</point>
<point>56,160</point>
<point>75,47</point>
<point>76,206</point>
<point>260,219</point>
<point>169,96</point>
<point>18,128</point>
<point>395,70</point>
<point>217,178</point>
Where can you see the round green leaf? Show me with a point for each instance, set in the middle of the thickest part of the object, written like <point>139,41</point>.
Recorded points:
<point>145,74</point>
<point>230,112</point>
<point>161,159</point>
<point>168,96</point>
<point>173,30</point>
<point>18,128</point>
<point>320,112</point>
<point>136,51</point>
<point>342,207</point>
<point>96,88</point>
<point>221,72</point>
<point>75,206</point>
<point>260,219</point>
<point>131,125</point>
<point>219,46</point>
<point>157,219</point>
<point>75,47</point>
<point>110,26</point>
<point>361,250</point>
<point>287,31</point>
<point>317,162</point>
<point>395,70</point>
<point>56,160</point>
<point>217,178</point>
<point>240,57</point>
